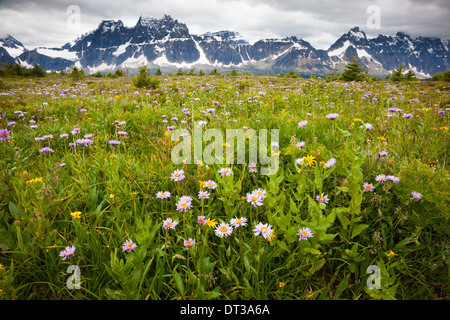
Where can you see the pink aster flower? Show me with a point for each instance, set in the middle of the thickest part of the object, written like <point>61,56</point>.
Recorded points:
<point>128,246</point>
<point>263,229</point>
<point>368,187</point>
<point>189,243</point>
<point>322,198</point>
<point>237,222</point>
<point>225,172</point>
<point>177,175</point>
<point>223,230</point>
<point>203,195</point>
<point>302,124</point>
<point>416,195</point>
<point>201,220</point>
<point>4,134</point>
<point>67,252</point>
<point>163,194</point>
<point>304,233</point>
<point>329,163</point>
<point>169,224</point>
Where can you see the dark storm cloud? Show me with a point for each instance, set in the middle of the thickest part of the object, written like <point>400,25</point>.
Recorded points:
<point>45,22</point>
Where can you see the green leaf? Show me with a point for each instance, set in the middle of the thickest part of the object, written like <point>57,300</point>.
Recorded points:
<point>178,282</point>
<point>357,229</point>
<point>341,287</point>
<point>341,214</point>
<point>14,210</point>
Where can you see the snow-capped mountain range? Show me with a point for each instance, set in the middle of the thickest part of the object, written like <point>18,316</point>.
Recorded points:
<point>167,44</point>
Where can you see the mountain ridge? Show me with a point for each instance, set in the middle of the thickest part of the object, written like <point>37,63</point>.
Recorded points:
<point>167,44</point>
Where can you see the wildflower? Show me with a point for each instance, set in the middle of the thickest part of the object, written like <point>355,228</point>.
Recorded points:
<point>237,222</point>
<point>322,198</point>
<point>223,230</point>
<point>393,179</point>
<point>368,126</point>
<point>254,199</point>
<point>407,115</point>
<point>302,124</point>
<point>122,133</point>
<point>63,135</point>
<point>67,252</point>
<point>186,199</point>
<point>391,253</point>
<point>162,195</point>
<point>169,224</point>
<point>383,154</point>
<point>380,178</point>
<point>75,131</point>
<point>128,245</point>
<point>45,149</point>
<point>184,204</point>
<point>263,229</point>
<point>261,193</point>
<point>9,124</point>
<point>201,220</point>
<point>300,161</point>
<point>203,195</point>
<point>211,223</point>
<point>252,167</point>
<point>225,172</point>
<point>84,142</point>
<point>111,196</point>
<point>114,142</point>
<point>300,144</point>
<point>189,243</point>
<point>310,160</point>
<point>416,195</point>
<point>177,175</point>
<point>304,233</point>
<point>202,184</point>
<point>4,134</point>
<point>368,187</point>
<point>76,214</point>
<point>332,116</point>
<point>329,163</point>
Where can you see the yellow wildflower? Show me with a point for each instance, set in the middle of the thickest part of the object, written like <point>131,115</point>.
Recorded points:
<point>211,223</point>
<point>310,160</point>
<point>76,214</point>
<point>391,253</point>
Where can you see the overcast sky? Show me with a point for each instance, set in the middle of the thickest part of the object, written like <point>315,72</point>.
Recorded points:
<point>48,22</point>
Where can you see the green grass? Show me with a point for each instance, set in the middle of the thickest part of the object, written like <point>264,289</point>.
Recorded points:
<point>114,188</point>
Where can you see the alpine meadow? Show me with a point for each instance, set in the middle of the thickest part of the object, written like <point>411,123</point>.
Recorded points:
<point>93,206</point>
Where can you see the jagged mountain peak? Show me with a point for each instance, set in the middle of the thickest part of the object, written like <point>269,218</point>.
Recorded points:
<point>11,42</point>
<point>165,42</point>
<point>110,26</point>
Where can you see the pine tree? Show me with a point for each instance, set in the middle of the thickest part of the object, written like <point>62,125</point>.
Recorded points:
<point>411,76</point>
<point>353,71</point>
<point>397,75</point>
<point>143,79</point>
<point>158,72</point>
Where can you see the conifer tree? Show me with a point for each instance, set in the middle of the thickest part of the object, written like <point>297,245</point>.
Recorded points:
<point>353,71</point>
